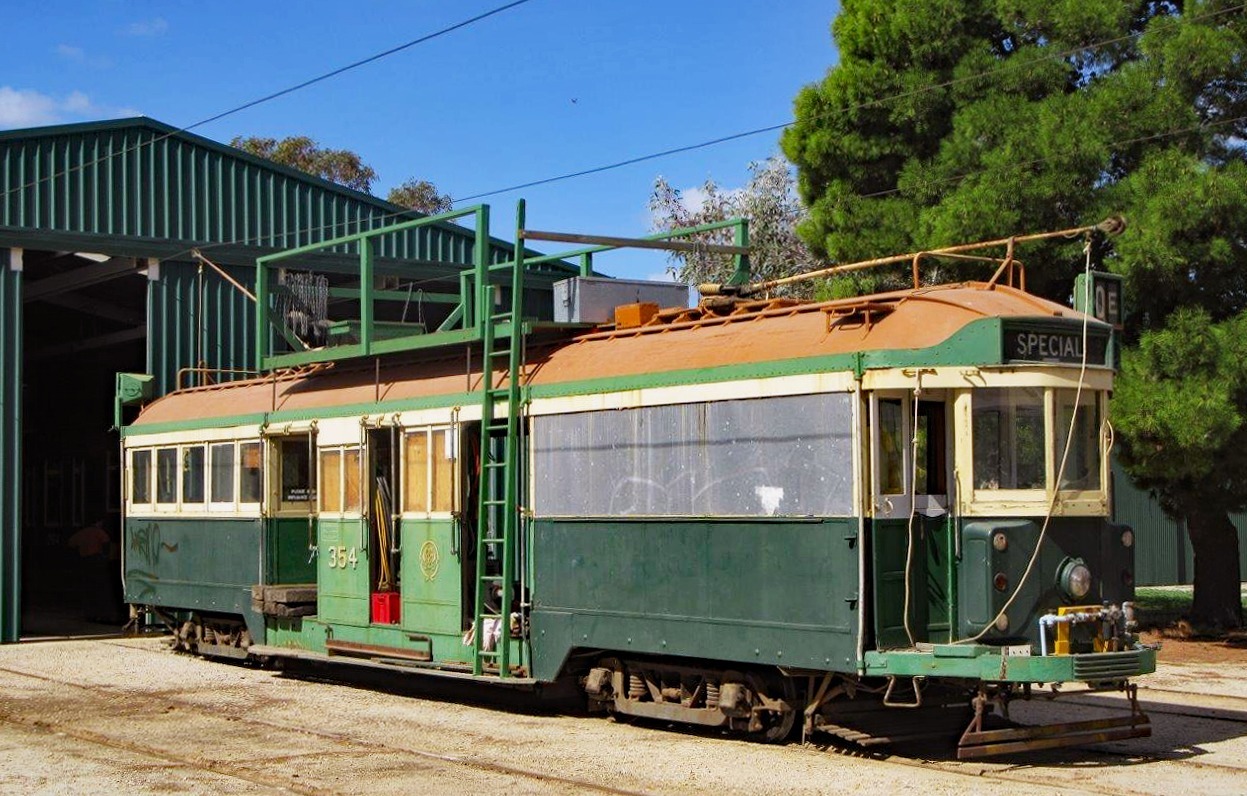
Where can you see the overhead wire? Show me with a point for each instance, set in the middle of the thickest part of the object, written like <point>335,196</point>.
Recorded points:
<point>1010,65</point>
<point>276,94</point>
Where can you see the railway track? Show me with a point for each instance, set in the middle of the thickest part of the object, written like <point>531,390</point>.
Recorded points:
<point>1043,771</point>
<point>244,773</point>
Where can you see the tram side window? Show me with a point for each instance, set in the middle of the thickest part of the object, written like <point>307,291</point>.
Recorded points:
<point>251,475</point>
<point>141,477</point>
<point>784,456</point>
<point>1083,464</point>
<point>221,480</point>
<point>1008,431</point>
<point>193,474</point>
<point>295,477</point>
<point>167,475</point>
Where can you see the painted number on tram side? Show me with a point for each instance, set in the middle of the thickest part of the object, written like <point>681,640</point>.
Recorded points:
<point>342,557</point>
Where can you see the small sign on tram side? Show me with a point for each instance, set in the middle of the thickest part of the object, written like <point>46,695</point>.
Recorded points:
<point>1105,296</point>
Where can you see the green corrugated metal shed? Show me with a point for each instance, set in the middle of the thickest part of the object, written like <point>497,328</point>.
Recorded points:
<point>1163,555</point>
<point>138,188</point>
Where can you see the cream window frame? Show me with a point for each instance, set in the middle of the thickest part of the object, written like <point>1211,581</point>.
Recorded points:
<point>975,502</point>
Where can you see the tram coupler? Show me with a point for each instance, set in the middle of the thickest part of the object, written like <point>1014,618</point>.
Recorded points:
<point>979,742</point>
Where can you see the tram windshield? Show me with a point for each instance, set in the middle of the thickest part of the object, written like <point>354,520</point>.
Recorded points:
<point>1019,438</point>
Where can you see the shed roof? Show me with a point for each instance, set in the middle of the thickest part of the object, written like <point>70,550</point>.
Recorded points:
<point>140,187</point>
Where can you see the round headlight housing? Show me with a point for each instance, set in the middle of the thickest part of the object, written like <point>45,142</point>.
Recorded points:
<point>1127,538</point>
<point>1075,578</point>
<point>1000,542</point>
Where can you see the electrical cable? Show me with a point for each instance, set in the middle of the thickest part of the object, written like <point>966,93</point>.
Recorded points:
<point>1008,66</point>
<point>913,509</point>
<point>1060,474</point>
<point>277,94</point>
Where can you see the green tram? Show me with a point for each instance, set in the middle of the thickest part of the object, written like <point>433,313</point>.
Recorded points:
<point>753,514</point>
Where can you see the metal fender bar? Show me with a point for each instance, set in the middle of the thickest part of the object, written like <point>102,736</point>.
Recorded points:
<point>977,742</point>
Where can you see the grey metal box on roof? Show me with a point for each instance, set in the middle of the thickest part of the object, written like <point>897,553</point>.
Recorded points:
<point>589,299</point>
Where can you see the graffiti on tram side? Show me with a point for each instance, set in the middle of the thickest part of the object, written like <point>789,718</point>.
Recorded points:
<point>145,547</point>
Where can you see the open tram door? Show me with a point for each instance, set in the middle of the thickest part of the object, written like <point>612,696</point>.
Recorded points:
<point>911,528</point>
<point>384,523</point>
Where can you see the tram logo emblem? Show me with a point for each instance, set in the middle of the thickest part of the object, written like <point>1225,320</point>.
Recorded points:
<point>430,559</point>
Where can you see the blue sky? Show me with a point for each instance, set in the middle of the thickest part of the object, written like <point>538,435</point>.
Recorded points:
<point>549,87</point>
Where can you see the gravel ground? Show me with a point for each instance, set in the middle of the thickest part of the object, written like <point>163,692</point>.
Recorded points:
<point>127,716</point>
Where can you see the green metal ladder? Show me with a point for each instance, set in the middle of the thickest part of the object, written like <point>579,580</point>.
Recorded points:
<point>498,488</point>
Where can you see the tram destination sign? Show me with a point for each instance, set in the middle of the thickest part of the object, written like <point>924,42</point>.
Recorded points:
<point>1036,343</point>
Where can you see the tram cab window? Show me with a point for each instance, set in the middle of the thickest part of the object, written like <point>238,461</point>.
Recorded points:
<point>167,475</point>
<point>141,477</point>
<point>1009,444</point>
<point>891,447</point>
<point>1083,464</point>
<point>932,468</point>
<point>251,474</point>
<point>296,478</point>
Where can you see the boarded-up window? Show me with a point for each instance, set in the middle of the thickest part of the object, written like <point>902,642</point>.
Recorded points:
<point>350,474</point>
<point>761,457</point>
<point>429,457</point>
<point>416,472</point>
<point>331,480</point>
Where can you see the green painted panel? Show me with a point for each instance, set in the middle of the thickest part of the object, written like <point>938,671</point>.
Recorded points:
<point>10,450</point>
<point>342,572</point>
<point>773,591</point>
<point>430,578</point>
<point>1095,541</point>
<point>286,549</point>
<point>193,564</point>
<point>930,578</point>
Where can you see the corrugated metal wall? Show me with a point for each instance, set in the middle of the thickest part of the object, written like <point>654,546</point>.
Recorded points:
<point>143,179</point>
<point>195,316</point>
<point>142,189</point>
<point>1163,554</point>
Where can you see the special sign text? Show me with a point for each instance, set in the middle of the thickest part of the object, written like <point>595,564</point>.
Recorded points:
<point>1052,345</point>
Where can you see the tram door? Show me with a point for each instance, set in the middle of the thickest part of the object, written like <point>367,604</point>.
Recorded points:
<point>911,532</point>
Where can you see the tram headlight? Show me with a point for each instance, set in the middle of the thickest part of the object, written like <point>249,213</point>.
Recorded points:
<point>1075,578</point>
<point>1127,538</point>
<point>1000,542</point>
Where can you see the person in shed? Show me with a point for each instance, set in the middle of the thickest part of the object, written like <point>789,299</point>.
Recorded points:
<point>94,548</point>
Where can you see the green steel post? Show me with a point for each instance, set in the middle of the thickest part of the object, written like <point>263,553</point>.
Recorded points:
<point>261,315</point>
<point>741,275</point>
<point>586,264</point>
<point>480,261</point>
<point>465,299</point>
<point>10,449</point>
<point>367,262</point>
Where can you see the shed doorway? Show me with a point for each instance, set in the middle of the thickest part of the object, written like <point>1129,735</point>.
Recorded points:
<point>84,320</point>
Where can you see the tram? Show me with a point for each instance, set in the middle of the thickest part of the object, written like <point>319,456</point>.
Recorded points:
<point>758,514</point>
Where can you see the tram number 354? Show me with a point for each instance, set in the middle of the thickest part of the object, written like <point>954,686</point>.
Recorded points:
<point>341,557</point>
